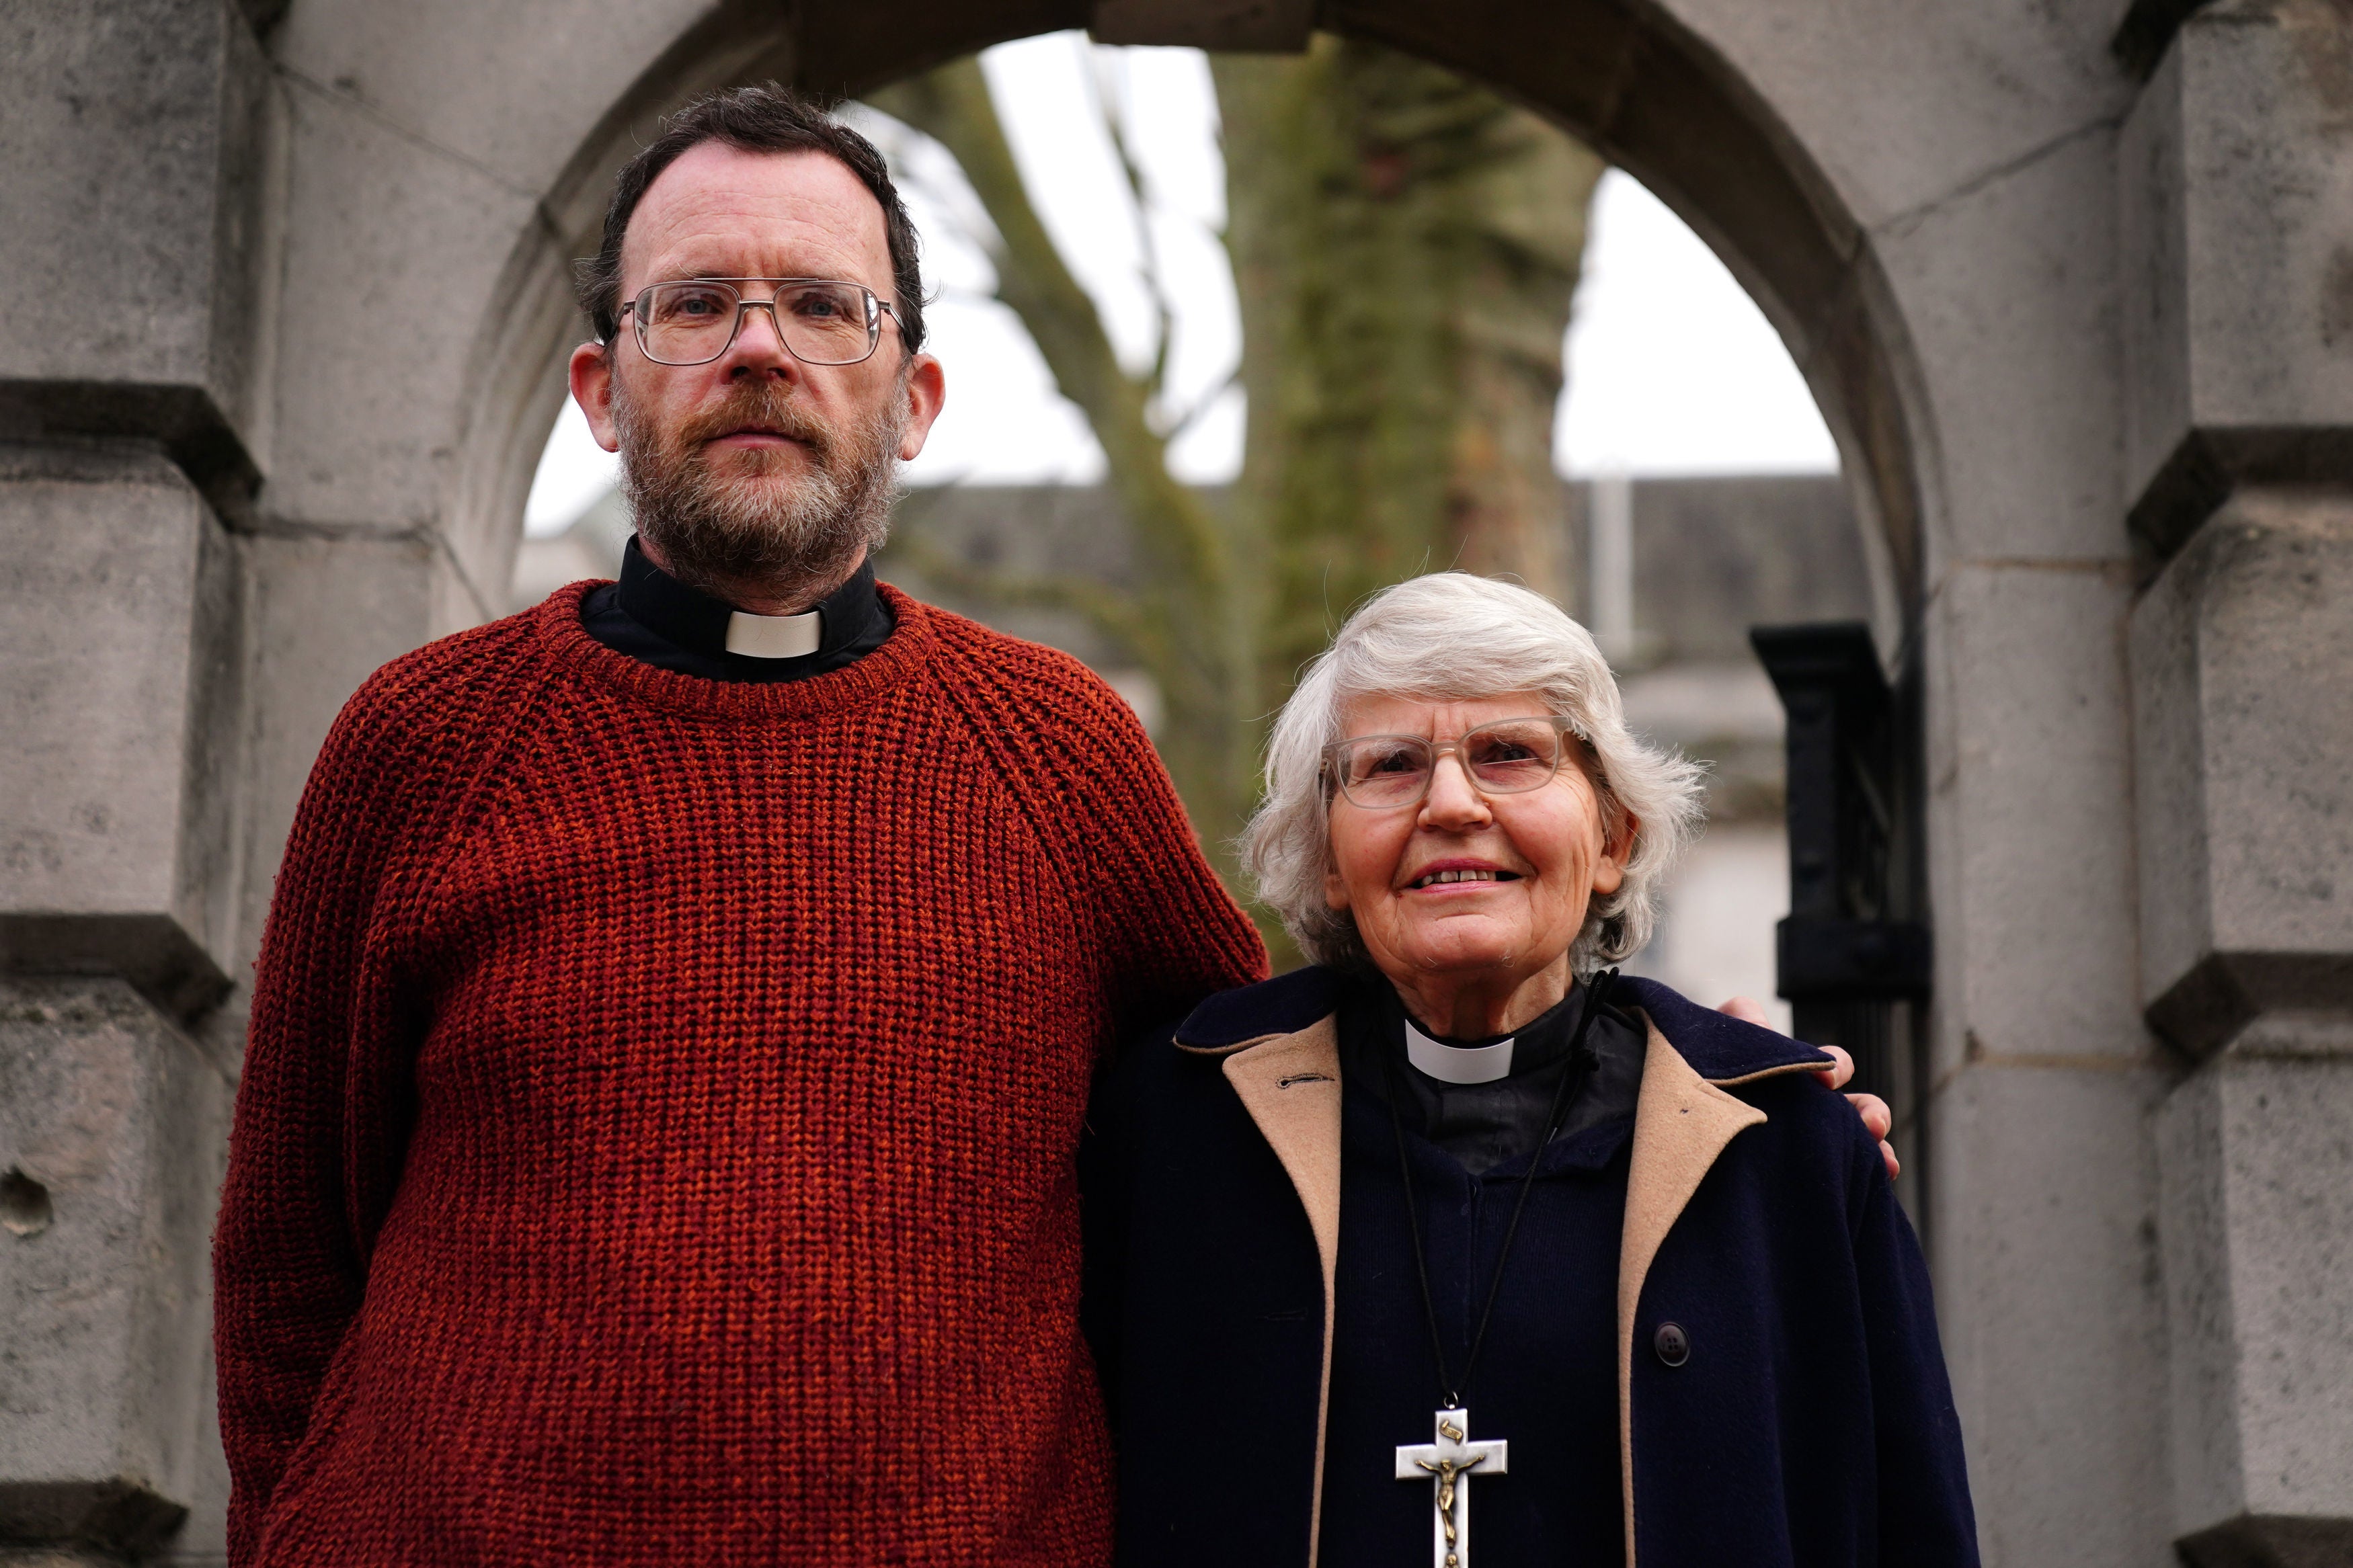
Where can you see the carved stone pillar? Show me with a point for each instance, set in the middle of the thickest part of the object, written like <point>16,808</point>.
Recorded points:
<point>2239,212</point>
<point>137,148</point>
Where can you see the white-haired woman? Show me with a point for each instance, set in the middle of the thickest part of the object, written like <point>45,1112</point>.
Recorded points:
<point>1455,1228</point>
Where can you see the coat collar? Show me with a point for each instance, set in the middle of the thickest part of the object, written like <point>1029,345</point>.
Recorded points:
<point>1720,1049</point>
<point>1249,1014</point>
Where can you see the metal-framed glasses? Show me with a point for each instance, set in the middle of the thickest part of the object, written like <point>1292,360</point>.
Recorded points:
<point>1506,756</point>
<point>820,320</point>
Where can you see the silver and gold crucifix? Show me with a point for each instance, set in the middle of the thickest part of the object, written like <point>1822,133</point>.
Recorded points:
<point>1447,1465</point>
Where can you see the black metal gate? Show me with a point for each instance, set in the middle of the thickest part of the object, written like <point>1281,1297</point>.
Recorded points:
<point>1855,951</point>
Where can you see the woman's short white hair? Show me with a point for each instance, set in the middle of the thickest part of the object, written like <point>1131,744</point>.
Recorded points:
<point>1451,637</point>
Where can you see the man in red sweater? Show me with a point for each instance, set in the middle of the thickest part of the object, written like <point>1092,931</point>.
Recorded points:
<point>676,1016</point>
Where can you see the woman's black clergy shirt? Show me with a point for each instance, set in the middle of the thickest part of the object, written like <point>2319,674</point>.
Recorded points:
<point>1744,1366</point>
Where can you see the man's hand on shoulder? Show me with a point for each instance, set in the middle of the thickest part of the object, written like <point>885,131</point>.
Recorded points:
<point>1869,1106</point>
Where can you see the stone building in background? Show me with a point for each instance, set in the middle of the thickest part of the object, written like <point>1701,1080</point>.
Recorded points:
<point>286,311</point>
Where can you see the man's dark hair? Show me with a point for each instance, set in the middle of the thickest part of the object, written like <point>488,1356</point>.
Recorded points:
<point>762,118</point>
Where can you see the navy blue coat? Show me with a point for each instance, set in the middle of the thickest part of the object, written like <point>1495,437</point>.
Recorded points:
<point>1812,1425</point>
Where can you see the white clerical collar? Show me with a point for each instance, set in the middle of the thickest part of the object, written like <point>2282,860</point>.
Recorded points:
<point>1457,1064</point>
<point>776,637</point>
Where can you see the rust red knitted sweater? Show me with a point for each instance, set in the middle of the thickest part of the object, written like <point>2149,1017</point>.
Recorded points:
<point>657,1130</point>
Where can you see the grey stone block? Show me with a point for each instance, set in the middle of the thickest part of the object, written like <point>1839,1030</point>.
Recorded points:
<point>323,614</point>
<point>122,689</point>
<point>1907,103</point>
<point>2236,184</point>
<point>118,1122</point>
<point>516,87</point>
<point>2258,1229</point>
<point>2009,289</point>
<point>201,1540</point>
<point>2242,682</point>
<point>2051,1301</point>
<point>139,159</point>
<point>396,272</point>
<point>2030,826</point>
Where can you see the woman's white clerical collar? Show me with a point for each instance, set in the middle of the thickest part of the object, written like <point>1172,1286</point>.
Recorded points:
<point>1457,1064</point>
<point>776,637</point>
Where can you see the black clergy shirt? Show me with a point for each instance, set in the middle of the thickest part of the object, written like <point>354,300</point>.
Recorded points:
<point>1547,1381</point>
<point>652,617</point>
<point>1484,1125</point>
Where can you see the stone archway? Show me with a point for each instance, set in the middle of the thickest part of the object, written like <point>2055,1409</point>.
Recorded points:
<point>1638,86</point>
<point>2067,308</point>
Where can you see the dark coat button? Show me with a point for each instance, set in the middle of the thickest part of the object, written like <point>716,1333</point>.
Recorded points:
<point>1672,1344</point>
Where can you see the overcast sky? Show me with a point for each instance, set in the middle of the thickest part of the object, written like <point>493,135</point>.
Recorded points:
<point>1672,369</point>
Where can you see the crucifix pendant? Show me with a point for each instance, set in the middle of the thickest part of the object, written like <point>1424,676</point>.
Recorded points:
<point>1447,1465</point>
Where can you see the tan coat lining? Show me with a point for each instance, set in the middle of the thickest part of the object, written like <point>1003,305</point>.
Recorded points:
<point>1682,1122</point>
<point>1291,1086</point>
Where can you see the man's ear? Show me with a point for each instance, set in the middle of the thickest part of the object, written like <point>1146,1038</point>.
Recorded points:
<point>591,373</point>
<point>926,388</point>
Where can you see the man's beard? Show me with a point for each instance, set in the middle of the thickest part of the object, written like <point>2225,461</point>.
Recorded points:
<point>753,530</point>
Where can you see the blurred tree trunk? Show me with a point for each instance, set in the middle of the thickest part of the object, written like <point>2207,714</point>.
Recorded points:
<point>1406,247</point>
<point>1187,625</point>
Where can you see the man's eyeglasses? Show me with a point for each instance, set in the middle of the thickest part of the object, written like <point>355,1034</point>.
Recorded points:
<point>1504,757</point>
<point>695,321</point>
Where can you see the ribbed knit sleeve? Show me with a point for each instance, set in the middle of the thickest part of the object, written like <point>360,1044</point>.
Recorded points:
<point>1172,934</point>
<point>315,1146</point>
<point>1169,932</point>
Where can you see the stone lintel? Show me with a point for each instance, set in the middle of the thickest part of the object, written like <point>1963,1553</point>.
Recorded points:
<point>1249,26</point>
<point>2260,1004</point>
<point>114,1515</point>
<point>153,952</point>
<point>2270,1541</point>
<point>263,15</point>
<point>2148,30</point>
<point>185,420</point>
<point>2197,477</point>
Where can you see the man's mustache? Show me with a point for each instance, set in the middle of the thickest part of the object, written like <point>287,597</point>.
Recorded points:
<point>757,408</point>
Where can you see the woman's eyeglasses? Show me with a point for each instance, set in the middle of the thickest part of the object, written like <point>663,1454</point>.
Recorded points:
<point>1504,757</point>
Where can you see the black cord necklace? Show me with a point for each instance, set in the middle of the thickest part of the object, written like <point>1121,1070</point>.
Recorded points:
<point>1581,1063</point>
